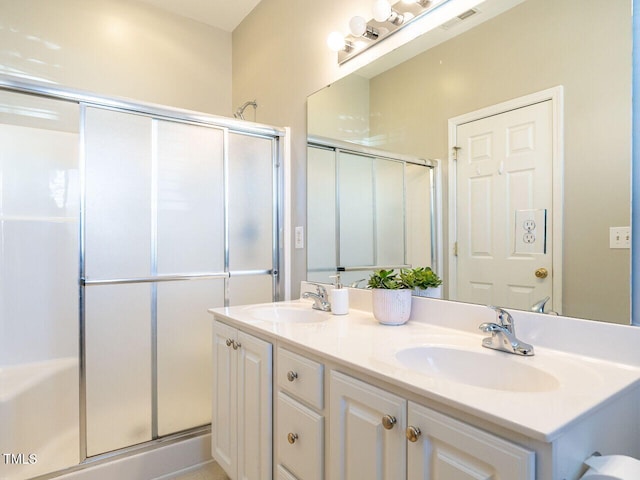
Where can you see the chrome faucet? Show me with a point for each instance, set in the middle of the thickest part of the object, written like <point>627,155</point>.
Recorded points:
<point>538,307</point>
<point>503,336</point>
<point>320,298</point>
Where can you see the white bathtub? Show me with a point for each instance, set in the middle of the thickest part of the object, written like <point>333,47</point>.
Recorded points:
<point>38,418</point>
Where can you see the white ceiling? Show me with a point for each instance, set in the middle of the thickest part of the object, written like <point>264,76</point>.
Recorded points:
<point>223,14</point>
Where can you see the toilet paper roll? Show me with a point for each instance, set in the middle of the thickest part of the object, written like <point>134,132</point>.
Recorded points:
<point>612,467</point>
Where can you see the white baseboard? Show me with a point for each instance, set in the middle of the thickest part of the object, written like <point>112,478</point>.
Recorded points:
<point>151,464</point>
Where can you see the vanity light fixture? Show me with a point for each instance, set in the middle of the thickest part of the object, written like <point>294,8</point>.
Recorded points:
<point>422,3</point>
<point>337,42</point>
<point>387,19</point>
<point>382,12</point>
<point>359,28</point>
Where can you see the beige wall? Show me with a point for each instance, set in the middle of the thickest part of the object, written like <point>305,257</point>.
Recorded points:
<point>118,48</point>
<point>537,45</point>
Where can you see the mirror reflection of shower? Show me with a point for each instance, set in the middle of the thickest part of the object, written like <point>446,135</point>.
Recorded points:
<point>239,113</point>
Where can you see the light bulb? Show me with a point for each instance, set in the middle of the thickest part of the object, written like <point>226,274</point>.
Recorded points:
<point>335,41</point>
<point>358,26</point>
<point>381,10</point>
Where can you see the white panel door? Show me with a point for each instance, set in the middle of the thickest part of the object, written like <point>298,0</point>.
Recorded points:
<point>504,208</point>
<point>360,445</point>
<point>445,449</point>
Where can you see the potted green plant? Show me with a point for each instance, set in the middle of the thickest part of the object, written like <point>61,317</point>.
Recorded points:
<point>391,296</point>
<point>425,281</point>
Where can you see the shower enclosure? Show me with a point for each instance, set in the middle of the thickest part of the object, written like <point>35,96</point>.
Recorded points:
<point>368,209</point>
<point>120,224</point>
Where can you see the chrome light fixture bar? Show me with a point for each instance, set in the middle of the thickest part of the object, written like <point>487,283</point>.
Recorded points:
<point>387,19</point>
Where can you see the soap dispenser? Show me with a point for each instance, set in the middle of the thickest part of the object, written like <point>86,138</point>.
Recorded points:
<point>339,297</point>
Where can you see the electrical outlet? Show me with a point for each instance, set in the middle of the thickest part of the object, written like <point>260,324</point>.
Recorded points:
<point>299,237</point>
<point>620,237</point>
<point>530,232</point>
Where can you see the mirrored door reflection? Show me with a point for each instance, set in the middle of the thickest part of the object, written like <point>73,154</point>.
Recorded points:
<point>366,211</point>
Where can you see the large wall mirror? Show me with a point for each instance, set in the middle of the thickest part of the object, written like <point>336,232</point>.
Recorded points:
<point>555,78</point>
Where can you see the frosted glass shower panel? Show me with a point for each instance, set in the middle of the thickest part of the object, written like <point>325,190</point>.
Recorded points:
<point>355,193</point>
<point>39,214</point>
<point>190,198</point>
<point>418,214</point>
<point>39,178</point>
<point>321,214</point>
<point>244,290</point>
<point>118,366</point>
<point>251,202</point>
<point>389,201</point>
<point>184,352</point>
<point>39,332</point>
<point>118,194</point>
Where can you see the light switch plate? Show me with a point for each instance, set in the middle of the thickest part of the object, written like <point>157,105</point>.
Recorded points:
<point>620,237</point>
<point>299,237</point>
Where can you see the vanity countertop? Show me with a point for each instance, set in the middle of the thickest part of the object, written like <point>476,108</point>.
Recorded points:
<point>582,384</point>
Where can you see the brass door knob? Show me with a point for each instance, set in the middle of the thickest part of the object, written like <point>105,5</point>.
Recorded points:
<point>388,421</point>
<point>413,433</point>
<point>542,273</point>
<point>292,437</point>
<point>291,375</point>
<point>236,345</point>
<point>229,342</point>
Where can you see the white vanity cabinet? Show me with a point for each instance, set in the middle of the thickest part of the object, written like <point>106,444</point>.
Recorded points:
<point>299,436</point>
<point>442,447</point>
<point>377,434</point>
<point>241,424</point>
<point>366,426</point>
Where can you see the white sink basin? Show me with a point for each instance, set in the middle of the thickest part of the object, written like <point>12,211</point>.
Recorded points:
<point>494,370</point>
<point>287,313</point>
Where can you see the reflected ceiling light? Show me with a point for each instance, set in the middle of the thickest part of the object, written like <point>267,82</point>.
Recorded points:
<point>382,12</point>
<point>337,42</point>
<point>359,28</point>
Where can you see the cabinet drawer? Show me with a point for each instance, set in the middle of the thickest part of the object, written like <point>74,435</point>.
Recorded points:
<point>300,439</point>
<point>301,377</point>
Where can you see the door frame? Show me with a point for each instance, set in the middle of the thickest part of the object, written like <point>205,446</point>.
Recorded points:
<point>556,96</point>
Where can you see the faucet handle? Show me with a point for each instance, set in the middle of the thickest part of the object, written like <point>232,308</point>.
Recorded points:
<point>504,318</point>
<point>320,290</point>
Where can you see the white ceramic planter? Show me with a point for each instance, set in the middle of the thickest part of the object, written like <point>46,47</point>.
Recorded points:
<point>391,307</point>
<point>432,292</point>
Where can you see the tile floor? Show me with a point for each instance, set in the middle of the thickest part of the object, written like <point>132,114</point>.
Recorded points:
<point>208,471</point>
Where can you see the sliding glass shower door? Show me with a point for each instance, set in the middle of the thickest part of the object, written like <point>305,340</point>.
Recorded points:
<point>178,218</point>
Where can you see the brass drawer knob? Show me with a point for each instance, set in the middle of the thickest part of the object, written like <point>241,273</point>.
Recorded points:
<point>388,421</point>
<point>292,437</point>
<point>291,375</point>
<point>413,433</point>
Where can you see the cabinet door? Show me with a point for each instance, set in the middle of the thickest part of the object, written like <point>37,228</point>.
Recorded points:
<point>448,449</point>
<point>224,445</point>
<point>255,435</point>
<point>361,445</point>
